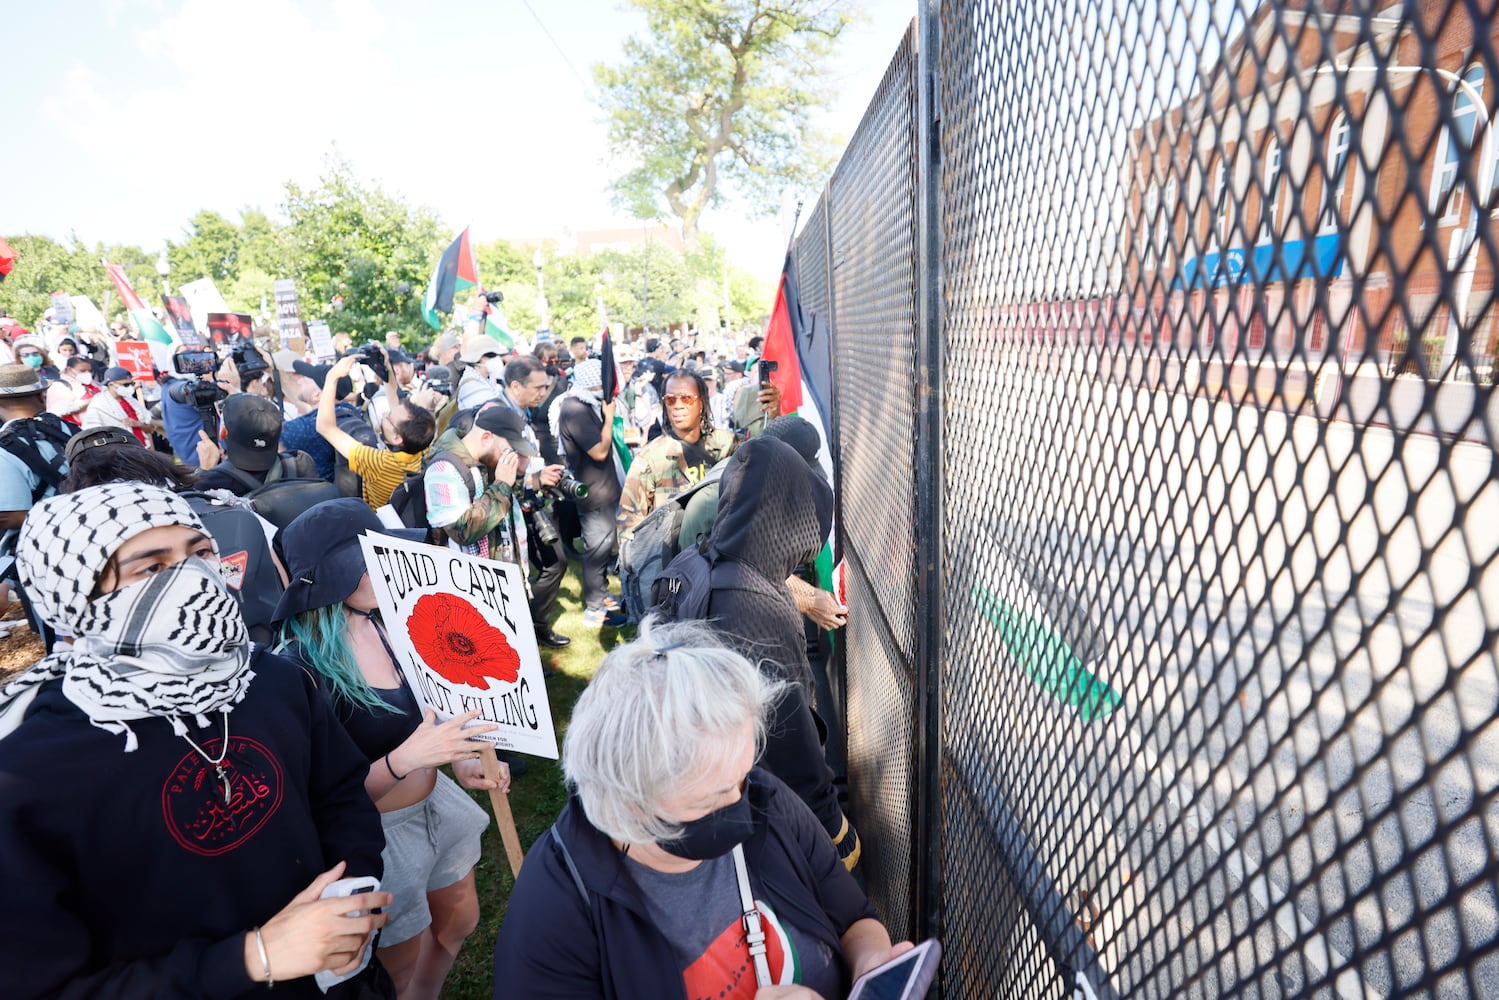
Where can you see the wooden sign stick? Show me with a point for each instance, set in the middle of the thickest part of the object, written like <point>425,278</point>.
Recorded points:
<point>500,802</point>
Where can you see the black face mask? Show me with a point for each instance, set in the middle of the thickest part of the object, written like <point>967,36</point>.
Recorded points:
<point>713,835</point>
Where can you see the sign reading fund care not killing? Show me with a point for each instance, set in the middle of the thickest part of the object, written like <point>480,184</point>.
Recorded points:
<point>461,631</point>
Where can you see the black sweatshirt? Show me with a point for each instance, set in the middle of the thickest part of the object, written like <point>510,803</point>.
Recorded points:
<point>123,873</point>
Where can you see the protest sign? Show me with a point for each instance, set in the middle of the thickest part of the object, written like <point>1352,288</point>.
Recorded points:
<point>135,357</point>
<point>288,311</point>
<point>86,314</point>
<point>203,298</point>
<point>227,329</point>
<point>322,340</point>
<point>62,309</point>
<point>461,630</point>
<point>180,314</point>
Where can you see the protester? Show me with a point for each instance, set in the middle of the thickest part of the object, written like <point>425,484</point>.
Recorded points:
<point>585,426</point>
<point>329,617</point>
<point>405,434</point>
<point>69,396</point>
<point>32,443</point>
<point>31,352</point>
<point>119,406</point>
<point>483,364</point>
<point>537,413</point>
<point>98,455</point>
<point>632,892</point>
<point>678,458</point>
<point>175,801</point>
<point>302,434</point>
<point>299,394</point>
<point>252,449</point>
<point>472,488</point>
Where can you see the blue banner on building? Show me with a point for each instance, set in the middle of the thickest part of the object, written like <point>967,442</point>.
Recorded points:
<point>1296,260</point>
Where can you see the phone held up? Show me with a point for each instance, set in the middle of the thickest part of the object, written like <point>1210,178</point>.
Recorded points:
<point>903,978</point>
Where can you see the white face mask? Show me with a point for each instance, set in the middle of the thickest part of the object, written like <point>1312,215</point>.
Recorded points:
<point>85,378</point>
<point>495,367</point>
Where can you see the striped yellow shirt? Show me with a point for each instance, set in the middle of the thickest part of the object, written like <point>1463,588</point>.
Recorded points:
<point>382,471</point>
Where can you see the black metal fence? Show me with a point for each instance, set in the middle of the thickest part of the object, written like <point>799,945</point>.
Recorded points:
<point>1166,445</point>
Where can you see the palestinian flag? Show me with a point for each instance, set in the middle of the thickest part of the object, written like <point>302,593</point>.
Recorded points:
<point>7,258</point>
<point>494,326</point>
<point>151,329</point>
<point>801,351</point>
<point>614,384</point>
<point>457,271</point>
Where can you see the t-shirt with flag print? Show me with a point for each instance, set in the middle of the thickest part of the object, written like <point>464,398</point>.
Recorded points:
<point>699,913</point>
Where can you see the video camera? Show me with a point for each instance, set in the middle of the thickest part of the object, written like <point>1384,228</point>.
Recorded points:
<point>248,362</point>
<point>370,355</point>
<point>201,391</point>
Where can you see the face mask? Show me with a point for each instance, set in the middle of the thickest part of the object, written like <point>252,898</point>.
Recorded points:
<point>32,361</point>
<point>495,367</point>
<point>713,835</point>
<point>191,623</point>
<point>86,378</point>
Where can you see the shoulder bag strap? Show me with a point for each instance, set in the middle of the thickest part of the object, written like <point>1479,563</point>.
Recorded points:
<point>754,933</point>
<point>240,474</point>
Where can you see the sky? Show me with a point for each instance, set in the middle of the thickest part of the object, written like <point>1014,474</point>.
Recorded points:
<point>122,118</point>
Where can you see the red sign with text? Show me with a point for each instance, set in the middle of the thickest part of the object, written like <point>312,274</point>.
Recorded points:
<point>135,357</point>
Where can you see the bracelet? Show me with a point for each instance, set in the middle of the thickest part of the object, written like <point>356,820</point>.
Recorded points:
<point>264,960</point>
<point>393,774</point>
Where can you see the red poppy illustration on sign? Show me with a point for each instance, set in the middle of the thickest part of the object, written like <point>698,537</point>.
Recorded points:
<point>455,640</point>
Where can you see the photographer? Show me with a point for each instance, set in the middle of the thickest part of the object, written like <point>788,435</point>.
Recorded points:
<point>252,440</point>
<point>474,491</point>
<point>302,433</point>
<point>186,391</point>
<point>406,433</point>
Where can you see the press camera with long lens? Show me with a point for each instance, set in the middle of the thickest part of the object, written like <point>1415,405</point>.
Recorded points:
<point>533,505</point>
<point>370,355</point>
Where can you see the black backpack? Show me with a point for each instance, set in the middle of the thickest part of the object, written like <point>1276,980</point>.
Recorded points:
<point>409,499</point>
<point>244,560</point>
<point>651,546</point>
<point>22,438</point>
<point>682,591</point>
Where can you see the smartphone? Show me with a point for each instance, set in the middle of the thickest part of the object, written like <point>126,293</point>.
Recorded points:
<point>354,885</point>
<point>903,978</point>
<point>767,369</point>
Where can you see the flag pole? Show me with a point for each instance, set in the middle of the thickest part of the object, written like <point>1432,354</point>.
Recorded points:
<point>795,218</point>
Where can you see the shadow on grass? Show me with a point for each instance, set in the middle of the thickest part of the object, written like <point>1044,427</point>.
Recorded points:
<point>535,798</point>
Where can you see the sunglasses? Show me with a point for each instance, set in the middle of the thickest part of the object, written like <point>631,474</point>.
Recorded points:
<point>674,400</point>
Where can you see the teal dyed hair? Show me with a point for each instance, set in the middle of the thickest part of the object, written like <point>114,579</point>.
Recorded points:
<point>323,635</point>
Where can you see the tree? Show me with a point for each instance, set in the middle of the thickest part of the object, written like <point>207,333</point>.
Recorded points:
<point>361,257</point>
<point>721,92</point>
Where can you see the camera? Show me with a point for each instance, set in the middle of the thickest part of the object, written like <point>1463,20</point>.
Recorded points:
<point>195,363</point>
<point>203,396</point>
<point>494,298</point>
<point>248,362</point>
<point>569,487</point>
<point>370,355</point>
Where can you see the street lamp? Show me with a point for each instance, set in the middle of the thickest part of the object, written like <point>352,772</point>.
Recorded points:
<point>164,268</point>
<point>541,290</point>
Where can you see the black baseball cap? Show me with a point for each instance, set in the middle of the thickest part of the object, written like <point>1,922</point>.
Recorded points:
<point>500,419</point>
<point>252,432</point>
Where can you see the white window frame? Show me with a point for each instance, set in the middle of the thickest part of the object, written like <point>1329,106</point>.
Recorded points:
<point>1444,196</point>
<point>1270,203</point>
<point>1339,150</point>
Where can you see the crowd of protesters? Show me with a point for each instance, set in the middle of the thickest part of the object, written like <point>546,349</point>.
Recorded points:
<point>220,730</point>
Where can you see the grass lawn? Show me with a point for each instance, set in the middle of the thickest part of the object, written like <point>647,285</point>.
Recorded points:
<point>537,797</point>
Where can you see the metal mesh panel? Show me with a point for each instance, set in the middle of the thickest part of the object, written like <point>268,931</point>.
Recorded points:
<point>812,262</point>
<point>874,288</point>
<point>1218,679</point>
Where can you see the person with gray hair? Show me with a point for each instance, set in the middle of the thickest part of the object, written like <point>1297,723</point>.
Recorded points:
<point>671,833</point>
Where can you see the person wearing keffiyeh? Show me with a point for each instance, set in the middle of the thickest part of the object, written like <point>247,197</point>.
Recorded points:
<point>173,800</point>
<point>584,425</point>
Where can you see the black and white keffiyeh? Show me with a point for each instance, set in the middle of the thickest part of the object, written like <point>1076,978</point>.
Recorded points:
<point>170,646</point>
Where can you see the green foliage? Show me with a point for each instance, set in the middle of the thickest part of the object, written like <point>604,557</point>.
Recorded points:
<point>719,93</point>
<point>361,257</point>
<point>44,266</point>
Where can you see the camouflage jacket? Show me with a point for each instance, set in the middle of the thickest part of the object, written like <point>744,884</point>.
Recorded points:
<point>659,473</point>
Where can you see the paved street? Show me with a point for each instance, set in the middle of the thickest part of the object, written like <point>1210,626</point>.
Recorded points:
<point>1299,618</point>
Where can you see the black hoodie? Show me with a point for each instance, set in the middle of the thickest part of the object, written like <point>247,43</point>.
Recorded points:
<point>774,514</point>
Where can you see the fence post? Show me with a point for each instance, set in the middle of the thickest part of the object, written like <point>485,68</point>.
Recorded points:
<point>927,920</point>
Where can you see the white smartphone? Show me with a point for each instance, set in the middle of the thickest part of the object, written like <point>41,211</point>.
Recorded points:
<point>903,978</point>
<point>354,885</point>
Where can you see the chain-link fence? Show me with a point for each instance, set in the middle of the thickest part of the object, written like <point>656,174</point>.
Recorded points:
<point>1165,424</point>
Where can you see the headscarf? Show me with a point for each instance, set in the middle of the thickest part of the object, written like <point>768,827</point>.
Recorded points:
<point>174,644</point>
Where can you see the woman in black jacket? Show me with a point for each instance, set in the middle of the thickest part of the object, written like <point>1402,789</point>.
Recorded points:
<point>635,890</point>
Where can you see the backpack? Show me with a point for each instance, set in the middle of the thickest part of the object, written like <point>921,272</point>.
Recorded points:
<point>244,560</point>
<point>23,438</point>
<point>280,501</point>
<point>682,590</point>
<point>408,501</point>
<point>648,548</point>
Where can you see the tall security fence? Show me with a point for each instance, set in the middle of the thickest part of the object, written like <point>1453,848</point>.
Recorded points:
<point>1165,432</point>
